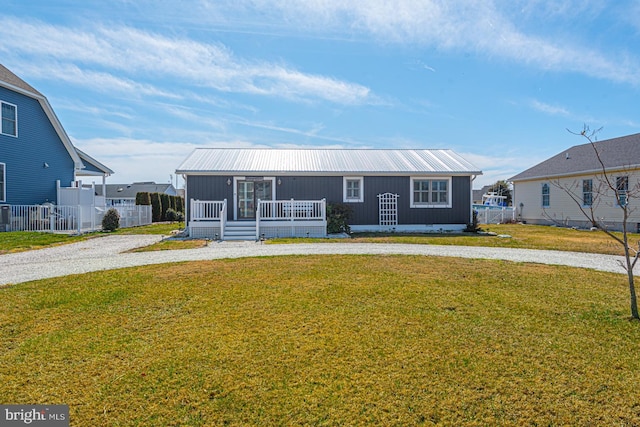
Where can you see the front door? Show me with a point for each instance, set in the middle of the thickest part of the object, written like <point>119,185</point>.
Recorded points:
<point>249,192</point>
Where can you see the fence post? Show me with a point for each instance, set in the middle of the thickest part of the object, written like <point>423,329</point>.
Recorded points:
<point>79,219</point>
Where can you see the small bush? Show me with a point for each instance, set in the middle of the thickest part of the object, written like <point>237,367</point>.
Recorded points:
<point>171,215</point>
<point>473,227</point>
<point>338,215</point>
<point>111,220</point>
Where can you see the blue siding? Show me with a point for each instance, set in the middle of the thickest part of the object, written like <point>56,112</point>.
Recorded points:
<point>27,180</point>
<point>330,188</point>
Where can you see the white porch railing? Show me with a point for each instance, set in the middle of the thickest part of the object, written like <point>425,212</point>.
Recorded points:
<point>274,218</point>
<point>494,214</point>
<point>291,218</point>
<point>207,218</point>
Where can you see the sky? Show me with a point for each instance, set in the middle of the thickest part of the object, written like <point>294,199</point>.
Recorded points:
<point>139,84</point>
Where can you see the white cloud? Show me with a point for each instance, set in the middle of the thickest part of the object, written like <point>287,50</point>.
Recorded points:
<point>483,27</point>
<point>553,110</point>
<point>93,58</point>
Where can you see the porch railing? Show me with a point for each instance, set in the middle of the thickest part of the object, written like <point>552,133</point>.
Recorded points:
<point>291,210</point>
<point>210,210</point>
<point>295,218</point>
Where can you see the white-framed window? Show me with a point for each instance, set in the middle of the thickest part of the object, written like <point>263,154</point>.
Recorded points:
<point>353,189</point>
<point>545,195</point>
<point>587,192</point>
<point>3,187</point>
<point>622,187</point>
<point>430,192</point>
<point>9,119</point>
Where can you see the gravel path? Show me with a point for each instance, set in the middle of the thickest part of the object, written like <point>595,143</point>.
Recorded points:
<point>106,253</point>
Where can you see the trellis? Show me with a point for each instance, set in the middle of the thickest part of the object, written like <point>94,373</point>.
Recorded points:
<point>388,209</point>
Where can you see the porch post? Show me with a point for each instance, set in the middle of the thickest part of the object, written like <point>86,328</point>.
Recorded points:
<point>258,221</point>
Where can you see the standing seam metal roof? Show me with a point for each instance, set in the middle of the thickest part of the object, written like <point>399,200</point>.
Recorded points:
<point>322,161</point>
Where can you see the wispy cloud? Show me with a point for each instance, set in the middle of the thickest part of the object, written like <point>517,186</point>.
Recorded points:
<point>482,27</point>
<point>554,110</point>
<point>93,58</point>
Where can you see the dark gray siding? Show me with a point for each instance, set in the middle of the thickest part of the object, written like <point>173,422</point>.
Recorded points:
<point>330,188</point>
<point>210,188</point>
<point>27,180</point>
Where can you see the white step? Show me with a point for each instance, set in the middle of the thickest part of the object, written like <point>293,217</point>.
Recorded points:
<point>240,230</point>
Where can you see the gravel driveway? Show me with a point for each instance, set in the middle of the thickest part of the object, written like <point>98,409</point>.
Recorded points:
<point>106,253</point>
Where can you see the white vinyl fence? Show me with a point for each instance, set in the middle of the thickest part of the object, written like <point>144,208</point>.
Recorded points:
<point>69,219</point>
<point>494,214</point>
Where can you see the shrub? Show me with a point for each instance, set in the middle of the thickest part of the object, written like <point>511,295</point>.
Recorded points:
<point>156,207</point>
<point>165,203</point>
<point>179,204</point>
<point>171,215</point>
<point>111,220</point>
<point>338,215</point>
<point>143,198</point>
<point>473,227</point>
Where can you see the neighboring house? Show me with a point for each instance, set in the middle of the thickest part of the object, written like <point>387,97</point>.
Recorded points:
<point>401,190</point>
<point>36,154</point>
<point>125,194</point>
<point>541,198</point>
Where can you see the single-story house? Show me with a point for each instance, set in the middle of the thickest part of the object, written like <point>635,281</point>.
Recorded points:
<point>36,154</point>
<point>401,190</point>
<point>558,190</point>
<point>125,194</point>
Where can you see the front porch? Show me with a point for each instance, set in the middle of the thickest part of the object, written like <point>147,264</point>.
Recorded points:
<point>273,218</point>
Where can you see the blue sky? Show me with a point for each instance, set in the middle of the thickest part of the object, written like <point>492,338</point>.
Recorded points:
<point>139,84</point>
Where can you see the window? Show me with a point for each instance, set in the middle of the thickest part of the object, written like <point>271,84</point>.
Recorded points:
<point>587,192</point>
<point>545,195</point>
<point>2,182</point>
<point>9,119</point>
<point>430,192</point>
<point>353,189</point>
<point>622,186</point>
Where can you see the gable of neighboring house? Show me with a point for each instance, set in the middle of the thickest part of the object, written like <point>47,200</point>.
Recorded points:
<point>539,192</point>
<point>35,151</point>
<point>433,186</point>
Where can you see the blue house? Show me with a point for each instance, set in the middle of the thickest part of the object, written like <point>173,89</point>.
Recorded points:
<point>36,154</point>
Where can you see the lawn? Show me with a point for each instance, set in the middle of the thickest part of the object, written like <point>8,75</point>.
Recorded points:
<point>18,241</point>
<point>520,236</point>
<point>326,340</point>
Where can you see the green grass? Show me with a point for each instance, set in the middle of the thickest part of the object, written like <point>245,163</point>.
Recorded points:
<point>326,340</point>
<point>522,236</point>
<point>18,241</point>
<point>164,228</point>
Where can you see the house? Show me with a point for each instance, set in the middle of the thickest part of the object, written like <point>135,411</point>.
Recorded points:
<point>285,191</point>
<point>125,194</point>
<point>36,154</point>
<point>559,189</point>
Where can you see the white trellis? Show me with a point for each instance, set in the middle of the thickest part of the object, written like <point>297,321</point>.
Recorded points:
<point>388,209</point>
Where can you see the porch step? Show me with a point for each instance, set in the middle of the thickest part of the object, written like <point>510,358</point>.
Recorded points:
<point>240,230</point>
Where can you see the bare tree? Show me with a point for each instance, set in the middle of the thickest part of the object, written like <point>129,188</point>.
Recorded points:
<point>624,197</point>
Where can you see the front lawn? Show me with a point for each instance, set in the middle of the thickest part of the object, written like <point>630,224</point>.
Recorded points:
<point>326,340</point>
<point>520,236</point>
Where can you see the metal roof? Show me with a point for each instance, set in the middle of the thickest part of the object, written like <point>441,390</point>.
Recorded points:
<point>325,161</point>
<point>615,153</point>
